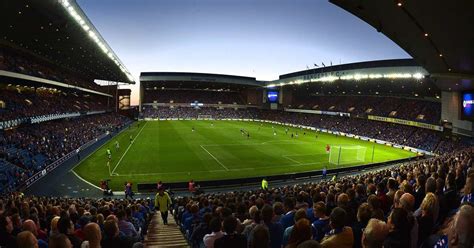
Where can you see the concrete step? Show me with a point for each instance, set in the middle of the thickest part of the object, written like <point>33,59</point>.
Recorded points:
<point>164,236</point>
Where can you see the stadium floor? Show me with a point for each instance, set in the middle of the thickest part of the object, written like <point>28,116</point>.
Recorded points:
<point>171,151</point>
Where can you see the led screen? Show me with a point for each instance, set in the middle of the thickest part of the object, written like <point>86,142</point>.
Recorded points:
<point>467,105</point>
<point>272,96</point>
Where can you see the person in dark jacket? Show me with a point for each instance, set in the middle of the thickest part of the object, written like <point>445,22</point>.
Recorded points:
<point>112,238</point>
<point>288,219</point>
<point>231,239</point>
<point>399,229</point>
<point>363,217</point>
<point>66,227</point>
<point>201,230</point>
<point>275,228</point>
<point>6,227</point>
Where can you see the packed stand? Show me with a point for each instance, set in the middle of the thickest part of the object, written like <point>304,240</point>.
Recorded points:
<point>190,96</point>
<point>27,102</point>
<point>15,62</point>
<point>425,203</point>
<point>61,222</point>
<point>187,112</point>
<point>401,108</point>
<point>32,147</point>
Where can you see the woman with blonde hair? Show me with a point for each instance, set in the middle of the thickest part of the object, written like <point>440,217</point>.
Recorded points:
<point>54,226</point>
<point>426,220</point>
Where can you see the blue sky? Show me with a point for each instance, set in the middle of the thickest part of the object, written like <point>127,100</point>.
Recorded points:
<point>258,38</point>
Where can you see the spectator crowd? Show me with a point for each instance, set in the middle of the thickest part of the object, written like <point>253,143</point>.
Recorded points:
<point>27,221</point>
<point>190,96</point>
<point>14,61</point>
<point>426,203</point>
<point>30,148</point>
<point>28,102</point>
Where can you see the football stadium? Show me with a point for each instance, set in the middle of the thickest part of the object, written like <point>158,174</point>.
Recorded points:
<point>215,124</point>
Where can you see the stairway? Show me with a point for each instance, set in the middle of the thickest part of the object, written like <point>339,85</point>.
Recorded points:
<point>161,236</point>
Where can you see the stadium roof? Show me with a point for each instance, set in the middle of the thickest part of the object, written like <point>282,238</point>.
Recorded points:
<point>198,77</point>
<point>437,34</point>
<point>395,69</point>
<point>354,66</point>
<point>60,32</point>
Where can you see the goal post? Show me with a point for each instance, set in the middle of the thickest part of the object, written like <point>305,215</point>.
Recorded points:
<point>340,155</point>
<point>205,117</point>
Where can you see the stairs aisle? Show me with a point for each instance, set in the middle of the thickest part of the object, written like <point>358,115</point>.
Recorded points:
<point>161,236</point>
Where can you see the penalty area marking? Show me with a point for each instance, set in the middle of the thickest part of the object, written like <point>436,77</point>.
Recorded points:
<point>123,155</point>
<point>217,160</point>
<point>294,160</point>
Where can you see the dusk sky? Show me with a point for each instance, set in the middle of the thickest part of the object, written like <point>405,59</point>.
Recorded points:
<point>258,38</point>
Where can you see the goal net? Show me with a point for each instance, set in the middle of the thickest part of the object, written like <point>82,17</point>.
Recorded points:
<point>346,154</point>
<point>205,117</point>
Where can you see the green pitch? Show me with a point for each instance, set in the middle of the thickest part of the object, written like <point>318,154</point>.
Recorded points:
<point>171,152</point>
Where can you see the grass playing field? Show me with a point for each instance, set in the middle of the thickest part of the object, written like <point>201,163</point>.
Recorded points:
<point>170,151</point>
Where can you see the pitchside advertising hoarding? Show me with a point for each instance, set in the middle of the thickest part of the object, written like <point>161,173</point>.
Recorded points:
<point>467,105</point>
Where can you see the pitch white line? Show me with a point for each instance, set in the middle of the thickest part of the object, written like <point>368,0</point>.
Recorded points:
<point>296,161</point>
<point>278,142</point>
<point>123,155</point>
<point>105,143</point>
<point>252,144</point>
<point>82,179</point>
<point>216,171</point>
<point>307,154</point>
<point>217,160</point>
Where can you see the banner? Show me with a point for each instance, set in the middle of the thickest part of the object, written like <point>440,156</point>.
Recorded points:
<point>405,122</point>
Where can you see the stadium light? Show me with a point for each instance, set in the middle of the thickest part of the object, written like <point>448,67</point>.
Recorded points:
<point>418,75</point>
<point>375,76</point>
<point>328,79</point>
<point>81,19</point>
<point>65,3</point>
<point>347,77</point>
<point>358,77</point>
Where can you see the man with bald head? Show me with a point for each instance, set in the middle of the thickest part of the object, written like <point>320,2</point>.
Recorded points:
<point>26,239</point>
<point>374,234</point>
<point>30,225</point>
<point>92,235</point>
<point>407,202</point>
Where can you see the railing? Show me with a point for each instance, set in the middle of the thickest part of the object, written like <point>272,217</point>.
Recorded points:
<point>58,162</point>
